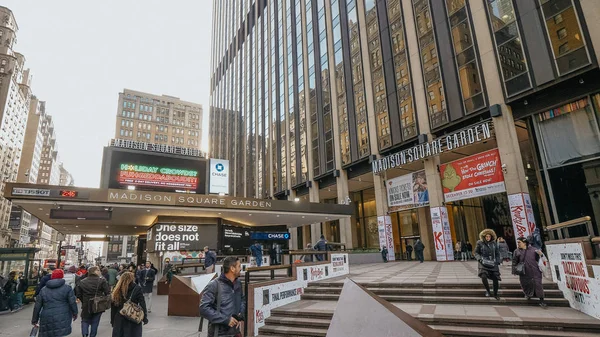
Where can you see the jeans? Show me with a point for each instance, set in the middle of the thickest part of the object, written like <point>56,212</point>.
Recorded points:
<point>148,299</point>
<point>464,256</point>
<point>20,299</point>
<point>92,322</point>
<point>419,255</point>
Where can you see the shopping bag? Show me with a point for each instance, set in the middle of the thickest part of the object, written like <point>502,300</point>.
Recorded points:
<point>544,266</point>
<point>34,331</point>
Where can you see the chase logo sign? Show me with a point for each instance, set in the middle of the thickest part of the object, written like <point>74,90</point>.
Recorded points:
<point>270,236</point>
<point>220,167</point>
<point>219,176</point>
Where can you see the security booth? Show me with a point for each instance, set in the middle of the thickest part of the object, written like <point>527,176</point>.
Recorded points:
<point>21,260</point>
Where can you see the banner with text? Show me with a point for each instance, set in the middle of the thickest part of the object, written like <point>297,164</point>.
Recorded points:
<point>521,214</point>
<point>570,272</point>
<point>442,237</point>
<point>407,191</point>
<point>473,176</point>
<point>386,235</point>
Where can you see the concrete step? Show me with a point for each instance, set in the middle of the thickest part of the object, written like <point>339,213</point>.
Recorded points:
<point>470,292</point>
<point>270,330</point>
<point>321,319</point>
<point>448,299</point>
<point>548,285</point>
<point>461,331</point>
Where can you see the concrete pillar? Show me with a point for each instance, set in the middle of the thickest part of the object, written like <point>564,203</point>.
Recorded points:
<point>591,13</point>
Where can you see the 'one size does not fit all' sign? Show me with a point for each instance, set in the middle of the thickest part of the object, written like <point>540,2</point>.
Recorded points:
<point>168,237</point>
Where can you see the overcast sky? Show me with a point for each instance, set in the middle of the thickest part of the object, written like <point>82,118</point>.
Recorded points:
<point>83,53</point>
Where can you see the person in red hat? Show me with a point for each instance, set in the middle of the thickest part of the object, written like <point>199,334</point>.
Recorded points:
<point>55,307</point>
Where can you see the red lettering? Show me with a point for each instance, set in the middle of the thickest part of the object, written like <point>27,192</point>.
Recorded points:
<point>437,237</point>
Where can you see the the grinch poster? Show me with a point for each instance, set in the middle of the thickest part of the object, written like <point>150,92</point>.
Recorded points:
<point>473,176</point>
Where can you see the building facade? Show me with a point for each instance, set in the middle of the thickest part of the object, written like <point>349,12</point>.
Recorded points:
<point>158,119</point>
<point>441,118</point>
<point>66,178</point>
<point>15,95</point>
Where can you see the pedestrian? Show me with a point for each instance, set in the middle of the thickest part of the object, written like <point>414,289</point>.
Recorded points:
<point>488,255</point>
<point>168,270</point>
<point>457,247</point>
<point>70,276</point>
<point>222,301</point>
<point>210,258</point>
<point>125,290</point>
<point>409,250</point>
<point>80,275</point>
<point>531,276</point>
<point>21,288</point>
<point>112,276</point>
<point>321,246</point>
<point>10,290</point>
<point>308,257</point>
<point>463,251</point>
<point>138,274</point>
<point>45,278</point>
<point>504,251</point>
<point>105,273</point>
<point>257,252</point>
<point>122,269</point>
<point>55,307</point>
<point>419,247</point>
<point>535,239</point>
<point>146,279</point>
<point>273,255</point>
<point>470,250</point>
<point>384,254</point>
<point>91,286</point>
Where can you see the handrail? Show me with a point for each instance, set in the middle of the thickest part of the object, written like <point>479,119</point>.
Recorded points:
<point>578,221</point>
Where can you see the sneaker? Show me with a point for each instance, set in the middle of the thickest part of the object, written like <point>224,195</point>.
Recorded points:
<point>527,297</point>
<point>497,297</point>
<point>487,294</point>
<point>543,305</point>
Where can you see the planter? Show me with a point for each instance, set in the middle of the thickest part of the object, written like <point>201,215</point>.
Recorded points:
<point>363,258</point>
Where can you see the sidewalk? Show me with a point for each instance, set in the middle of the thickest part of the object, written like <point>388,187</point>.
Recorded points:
<point>160,325</point>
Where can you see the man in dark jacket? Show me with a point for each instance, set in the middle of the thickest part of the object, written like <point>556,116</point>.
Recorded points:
<point>210,258</point>
<point>419,247</point>
<point>112,276</point>
<point>21,289</point>
<point>384,254</point>
<point>147,277</point>
<point>45,278</point>
<point>222,302</point>
<point>409,250</point>
<point>10,290</point>
<point>257,252</point>
<point>321,246</point>
<point>88,288</point>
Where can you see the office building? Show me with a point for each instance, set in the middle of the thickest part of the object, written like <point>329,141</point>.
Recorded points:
<point>165,120</point>
<point>390,105</point>
<point>66,178</point>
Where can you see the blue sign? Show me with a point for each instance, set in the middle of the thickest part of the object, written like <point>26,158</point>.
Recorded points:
<point>220,167</point>
<point>270,236</point>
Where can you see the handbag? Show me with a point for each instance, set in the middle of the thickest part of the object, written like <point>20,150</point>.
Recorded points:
<point>487,262</point>
<point>520,267</point>
<point>99,303</point>
<point>34,331</point>
<point>132,311</point>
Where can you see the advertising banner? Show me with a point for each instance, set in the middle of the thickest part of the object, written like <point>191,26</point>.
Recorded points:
<point>473,176</point>
<point>443,249</point>
<point>219,176</point>
<point>521,214</point>
<point>570,272</point>
<point>407,191</point>
<point>386,235</point>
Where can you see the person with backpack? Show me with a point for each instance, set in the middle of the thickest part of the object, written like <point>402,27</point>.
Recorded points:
<point>223,303</point>
<point>92,286</point>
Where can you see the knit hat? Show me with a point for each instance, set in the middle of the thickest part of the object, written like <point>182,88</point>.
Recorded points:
<point>57,274</point>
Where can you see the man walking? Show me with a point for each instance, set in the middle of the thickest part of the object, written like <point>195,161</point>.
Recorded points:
<point>112,276</point>
<point>147,277</point>
<point>256,250</point>
<point>21,288</point>
<point>93,285</point>
<point>321,246</point>
<point>222,302</point>
<point>419,247</point>
<point>409,250</point>
<point>210,258</point>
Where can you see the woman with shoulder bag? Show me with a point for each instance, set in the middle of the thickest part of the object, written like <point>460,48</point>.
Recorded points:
<point>128,309</point>
<point>488,255</point>
<point>525,264</point>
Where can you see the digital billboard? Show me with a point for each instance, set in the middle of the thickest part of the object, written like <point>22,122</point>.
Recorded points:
<point>153,171</point>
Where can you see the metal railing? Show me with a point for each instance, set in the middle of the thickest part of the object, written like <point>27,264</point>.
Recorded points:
<point>560,231</point>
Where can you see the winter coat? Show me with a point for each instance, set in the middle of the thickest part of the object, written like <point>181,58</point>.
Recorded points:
<point>112,277</point>
<point>87,289</point>
<point>463,247</point>
<point>321,245</point>
<point>457,247</point>
<point>22,285</point>
<point>10,286</point>
<point>531,282</point>
<point>42,284</point>
<point>535,239</point>
<point>232,303</point>
<point>122,327</point>
<point>210,258</point>
<point>54,309</point>
<point>384,254</point>
<point>488,250</point>
<point>419,246</point>
<point>503,247</point>
<point>256,251</point>
<point>146,279</point>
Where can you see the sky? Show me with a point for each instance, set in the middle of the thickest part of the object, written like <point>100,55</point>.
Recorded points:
<point>83,53</point>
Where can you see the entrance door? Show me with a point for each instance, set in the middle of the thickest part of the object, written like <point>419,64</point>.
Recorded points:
<point>466,220</point>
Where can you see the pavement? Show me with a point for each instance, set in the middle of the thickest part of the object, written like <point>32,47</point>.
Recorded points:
<point>159,325</point>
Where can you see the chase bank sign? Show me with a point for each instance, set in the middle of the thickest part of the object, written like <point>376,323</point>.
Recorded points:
<point>219,176</point>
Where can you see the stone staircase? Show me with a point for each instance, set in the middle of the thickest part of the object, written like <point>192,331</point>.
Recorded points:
<point>453,309</point>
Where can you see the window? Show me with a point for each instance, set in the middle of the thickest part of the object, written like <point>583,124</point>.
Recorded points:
<point>558,19</point>
<point>563,48</point>
<point>561,33</point>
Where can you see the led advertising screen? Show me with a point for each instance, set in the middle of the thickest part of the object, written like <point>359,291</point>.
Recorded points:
<point>155,171</point>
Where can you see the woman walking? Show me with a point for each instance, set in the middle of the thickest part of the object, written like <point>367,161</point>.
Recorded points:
<point>55,307</point>
<point>126,289</point>
<point>504,251</point>
<point>525,264</point>
<point>488,255</point>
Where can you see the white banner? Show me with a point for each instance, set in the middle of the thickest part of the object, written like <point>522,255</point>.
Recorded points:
<point>399,191</point>
<point>386,235</point>
<point>521,214</point>
<point>442,253</point>
<point>570,272</point>
<point>447,234</point>
<point>219,176</point>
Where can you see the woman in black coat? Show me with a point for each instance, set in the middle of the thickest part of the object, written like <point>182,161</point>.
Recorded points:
<point>488,255</point>
<point>124,290</point>
<point>55,307</point>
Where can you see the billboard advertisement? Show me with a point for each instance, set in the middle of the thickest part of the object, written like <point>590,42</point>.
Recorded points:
<point>155,171</point>
<point>386,235</point>
<point>219,176</point>
<point>521,214</point>
<point>407,191</point>
<point>473,176</point>
<point>442,237</point>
